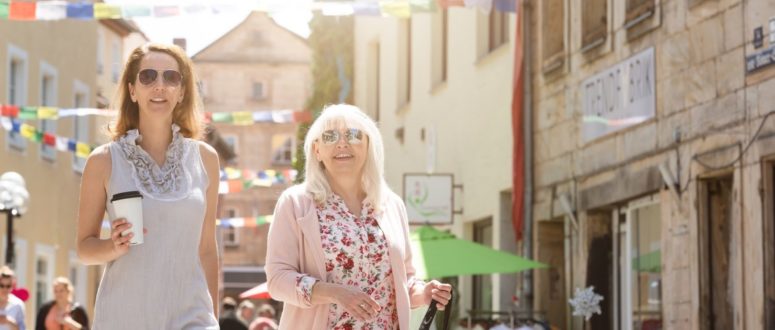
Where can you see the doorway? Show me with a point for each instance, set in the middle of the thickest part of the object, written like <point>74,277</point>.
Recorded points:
<point>715,226</point>
<point>550,282</point>
<point>769,243</point>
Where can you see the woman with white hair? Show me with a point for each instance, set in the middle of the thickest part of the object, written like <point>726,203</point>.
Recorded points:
<point>338,254</point>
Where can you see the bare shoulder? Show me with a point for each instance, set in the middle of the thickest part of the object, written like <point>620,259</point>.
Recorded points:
<point>209,156</point>
<point>99,161</point>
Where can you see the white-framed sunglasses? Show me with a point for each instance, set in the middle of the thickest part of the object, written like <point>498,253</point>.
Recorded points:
<point>352,136</point>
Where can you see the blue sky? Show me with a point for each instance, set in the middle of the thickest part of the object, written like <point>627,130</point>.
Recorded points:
<point>201,30</point>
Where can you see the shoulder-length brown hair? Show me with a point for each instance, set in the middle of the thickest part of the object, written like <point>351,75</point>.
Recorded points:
<point>186,114</point>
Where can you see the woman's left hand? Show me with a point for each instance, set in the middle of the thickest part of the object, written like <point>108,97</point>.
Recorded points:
<point>435,290</point>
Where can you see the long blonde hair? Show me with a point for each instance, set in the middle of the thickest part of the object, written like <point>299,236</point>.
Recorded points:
<point>186,114</point>
<point>373,181</point>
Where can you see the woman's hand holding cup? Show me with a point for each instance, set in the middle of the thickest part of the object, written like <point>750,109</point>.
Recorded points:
<point>121,242</point>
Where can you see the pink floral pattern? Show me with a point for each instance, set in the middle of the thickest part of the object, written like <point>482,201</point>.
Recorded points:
<point>356,254</point>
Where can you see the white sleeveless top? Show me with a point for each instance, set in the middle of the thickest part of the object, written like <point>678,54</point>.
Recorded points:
<point>159,284</point>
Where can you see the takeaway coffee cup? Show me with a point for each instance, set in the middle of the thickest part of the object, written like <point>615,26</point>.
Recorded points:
<point>129,205</point>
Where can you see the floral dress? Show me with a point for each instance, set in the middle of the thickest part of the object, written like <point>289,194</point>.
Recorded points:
<point>356,254</point>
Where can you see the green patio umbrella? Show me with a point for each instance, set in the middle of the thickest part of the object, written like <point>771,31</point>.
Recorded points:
<point>439,254</point>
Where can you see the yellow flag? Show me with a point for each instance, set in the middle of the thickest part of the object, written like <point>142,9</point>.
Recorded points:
<point>242,118</point>
<point>82,150</point>
<point>27,131</point>
<point>48,113</point>
<point>103,10</point>
<point>395,9</point>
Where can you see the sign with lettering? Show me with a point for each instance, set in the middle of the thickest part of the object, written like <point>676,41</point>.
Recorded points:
<point>619,97</point>
<point>759,60</point>
<point>428,198</point>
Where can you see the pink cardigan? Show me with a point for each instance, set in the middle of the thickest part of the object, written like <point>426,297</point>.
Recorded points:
<point>295,247</point>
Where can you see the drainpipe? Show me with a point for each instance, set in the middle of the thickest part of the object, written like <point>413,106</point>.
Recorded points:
<point>527,283</point>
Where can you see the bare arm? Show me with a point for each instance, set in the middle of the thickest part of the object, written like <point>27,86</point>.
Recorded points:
<point>91,249</point>
<point>208,246</point>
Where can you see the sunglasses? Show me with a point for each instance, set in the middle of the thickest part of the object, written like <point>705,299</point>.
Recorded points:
<point>171,77</point>
<point>353,136</point>
<point>5,286</point>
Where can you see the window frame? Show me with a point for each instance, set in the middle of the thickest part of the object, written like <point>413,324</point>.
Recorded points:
<point>80,88</point>
<point>48,74</point>
<point>16,54</point>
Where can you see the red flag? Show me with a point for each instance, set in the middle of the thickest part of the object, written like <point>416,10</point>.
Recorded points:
<point>10,111</point>
<point>451,3</point>
<point>22,11</point>
<point>302,116</point>
<point>49,139</point>
<point>518,171</point>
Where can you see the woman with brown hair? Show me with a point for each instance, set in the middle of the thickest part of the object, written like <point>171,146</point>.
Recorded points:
<point>170,281</point>
<point>62,313</point>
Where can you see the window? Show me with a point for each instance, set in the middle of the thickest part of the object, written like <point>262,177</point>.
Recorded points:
<point>552,35</point>
<point>115,61</point>
<point>230,234</point>
<point>100,51</point>
<point>638,11</point>
<point>17,90</point>
<point>78,278</point>
<point>439,49</point>
<point>405,64</point>
<point>482,284</point>
<point>641,267</point>
<point>498,29</point>
<point>44,274</point>
<point>81,123</point>
<point>594,23</point>
<point>48,97</point>
<point>282,149</point>
<point>258,91</point>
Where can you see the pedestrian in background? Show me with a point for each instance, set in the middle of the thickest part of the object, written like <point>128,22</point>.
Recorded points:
<point>338,252</point>
<point>265,319</point>
<point>246,312</point>
<point>62,313</point>
<point>229,319</point>
<point>11,307</point>
<point>170,281</point>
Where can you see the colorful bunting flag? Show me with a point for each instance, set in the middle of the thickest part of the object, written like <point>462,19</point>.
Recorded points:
<point>81,10</point>
<point>166,10</point>
<point>395,9</point>
<point>131,11</point>
<point>51,10</point>
<point>82,150</point>
<point>59,9</point>
<point>106,11</point>
<point>242,118</point>
<point>3,9</point>
<point>23,11</point>
<point>48,113</point>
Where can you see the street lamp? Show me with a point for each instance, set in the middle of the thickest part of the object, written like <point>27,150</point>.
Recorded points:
<point>13,202</point>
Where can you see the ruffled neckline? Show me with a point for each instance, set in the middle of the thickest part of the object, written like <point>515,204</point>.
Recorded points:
<point>171,180</point>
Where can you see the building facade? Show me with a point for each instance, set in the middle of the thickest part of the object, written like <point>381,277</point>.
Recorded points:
<point>42,67</point>
<point>435,83</point>
<point>653,160</point>
<point>257,66</point>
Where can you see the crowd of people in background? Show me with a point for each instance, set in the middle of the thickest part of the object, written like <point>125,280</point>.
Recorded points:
<point>246,316</point>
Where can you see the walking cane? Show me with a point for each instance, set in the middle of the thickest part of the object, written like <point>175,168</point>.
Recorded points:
<point>431,313</point>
